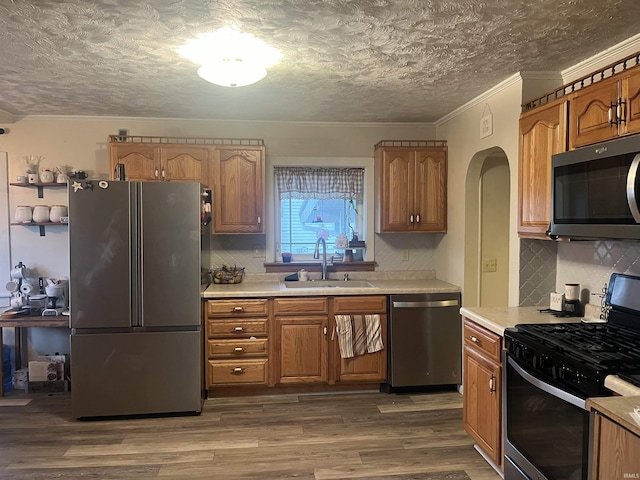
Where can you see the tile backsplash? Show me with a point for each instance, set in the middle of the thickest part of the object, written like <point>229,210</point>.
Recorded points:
<point>546,266</point>
<point>238,250</point>
<point>537,271</point>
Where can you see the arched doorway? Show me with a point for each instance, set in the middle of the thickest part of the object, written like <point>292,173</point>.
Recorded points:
<point>487,229</point>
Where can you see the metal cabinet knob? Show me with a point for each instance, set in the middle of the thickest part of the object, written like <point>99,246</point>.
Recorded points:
<point>474,339</point>
<point>237,370</point>
<point>238,329</point>
<point>238,349</point>
<point>238,309</point>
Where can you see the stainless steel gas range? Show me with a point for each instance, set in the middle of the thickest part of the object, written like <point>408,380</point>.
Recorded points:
<point>549,372</point>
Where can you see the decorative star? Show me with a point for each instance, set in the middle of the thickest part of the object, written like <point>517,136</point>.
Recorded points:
<point>88,185</point>
<point>77,186</point>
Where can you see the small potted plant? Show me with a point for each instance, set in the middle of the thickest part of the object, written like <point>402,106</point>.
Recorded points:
<point>32,162</point>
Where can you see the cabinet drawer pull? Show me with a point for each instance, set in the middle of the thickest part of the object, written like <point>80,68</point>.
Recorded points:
<point>474,339</point>
<point>238,349</point>
<point>492,384</point>
<point>411,219</point>
<point>259,220</point>
<point>238,329</point>
<point>155,173</point>
<point>163,173</point>
<point>238,309</point>
<point>237,371</point>
<point>417,218</point>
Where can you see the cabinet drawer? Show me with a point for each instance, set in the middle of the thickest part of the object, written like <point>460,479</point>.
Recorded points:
<point>231,327</point>
<point>360,304</point>
<point>296,306</point>
<point>483,340</point>
<point>237,348</point>
<point>238,371</point>
<point>240,307</point>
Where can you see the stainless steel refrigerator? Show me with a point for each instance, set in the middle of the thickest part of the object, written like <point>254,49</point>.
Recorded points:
<point>135,298</point>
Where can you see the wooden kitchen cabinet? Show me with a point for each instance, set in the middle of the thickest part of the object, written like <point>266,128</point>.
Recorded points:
<point>158,162</point>
<point>605,110</point>
<point>306,348</point>
<point>237,343</point>
<point>238,189</point>
<point>371,367</point>
<point>615,450</point>
<point>482,399</point>
<point>543,132</point>
<point>301,340</point>
<point>411,186</point>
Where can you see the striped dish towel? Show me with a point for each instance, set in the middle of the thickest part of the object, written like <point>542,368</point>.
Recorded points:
<point>358,334</point>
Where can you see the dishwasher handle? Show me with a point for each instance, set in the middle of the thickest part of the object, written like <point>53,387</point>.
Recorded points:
<point>429,304</point>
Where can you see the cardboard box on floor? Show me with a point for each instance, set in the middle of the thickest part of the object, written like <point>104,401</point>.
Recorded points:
<point>48,368</point>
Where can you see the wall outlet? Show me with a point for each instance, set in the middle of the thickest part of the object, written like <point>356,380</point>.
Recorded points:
<point>489,264</point>
<point>259,252</point>
<point>404,255</point>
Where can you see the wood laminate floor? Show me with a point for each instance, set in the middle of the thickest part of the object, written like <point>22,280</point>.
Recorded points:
<point>309,437</point>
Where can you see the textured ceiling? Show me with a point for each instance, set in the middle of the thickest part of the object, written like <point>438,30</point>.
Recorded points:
<point>352,61</point>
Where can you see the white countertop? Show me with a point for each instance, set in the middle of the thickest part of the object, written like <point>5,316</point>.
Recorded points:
<point>496,319</point>
<point>272,285</point>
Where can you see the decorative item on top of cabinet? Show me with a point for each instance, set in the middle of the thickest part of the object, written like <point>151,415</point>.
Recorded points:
<point>606,109</point>
<point>411,186</point>
<point>159,159</point>
<point>482,391</point>
<point>238,188</point>
<point>543,132</point>
<point>237,343</point>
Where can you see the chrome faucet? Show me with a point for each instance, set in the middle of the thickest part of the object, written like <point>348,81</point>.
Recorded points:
<point>316,255</point>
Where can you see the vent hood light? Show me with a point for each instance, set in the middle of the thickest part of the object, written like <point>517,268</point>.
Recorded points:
<point>230,58</point>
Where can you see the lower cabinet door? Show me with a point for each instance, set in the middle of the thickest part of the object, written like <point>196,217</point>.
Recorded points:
<point>301,349</point>
<point>482,402</point>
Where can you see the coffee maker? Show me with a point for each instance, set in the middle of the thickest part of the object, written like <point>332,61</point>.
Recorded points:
<point>572,299</point>
<point>56,298</point>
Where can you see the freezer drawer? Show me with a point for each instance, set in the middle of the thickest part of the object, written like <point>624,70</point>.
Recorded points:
<point>135,373</point>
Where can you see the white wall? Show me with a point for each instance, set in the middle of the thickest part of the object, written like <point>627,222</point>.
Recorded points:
<point>461,129</point>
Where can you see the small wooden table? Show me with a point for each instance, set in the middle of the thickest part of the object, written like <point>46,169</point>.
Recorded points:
<point>25,322</point>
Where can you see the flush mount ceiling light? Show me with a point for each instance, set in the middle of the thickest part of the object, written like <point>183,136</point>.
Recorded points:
<point>230,58</point>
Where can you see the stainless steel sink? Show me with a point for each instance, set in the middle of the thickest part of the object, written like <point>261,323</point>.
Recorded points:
<point>329,284</point>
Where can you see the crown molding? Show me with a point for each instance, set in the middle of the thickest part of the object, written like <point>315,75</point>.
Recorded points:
<point>610,55</point>
<point>6,117</point>
<point>512,80</point>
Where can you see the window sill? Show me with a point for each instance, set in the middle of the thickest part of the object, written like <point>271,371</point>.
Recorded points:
<point>280,267</point>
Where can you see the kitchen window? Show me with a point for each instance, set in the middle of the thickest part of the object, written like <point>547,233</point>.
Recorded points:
<point>315,202</point>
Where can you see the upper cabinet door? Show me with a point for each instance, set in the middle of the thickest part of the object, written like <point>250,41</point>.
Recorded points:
<point>631,97</point>
<point>542,133</point>
<point>141,161</point>
<point>186,163</point>
<point>395,200</point>
<point>238,189</point>
<point>411,189</point>
<point>431,190</point>
<point>593,113</point>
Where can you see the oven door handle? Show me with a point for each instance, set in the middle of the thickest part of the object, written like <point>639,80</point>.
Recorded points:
<point>631,188</point>
<point>550,389</point>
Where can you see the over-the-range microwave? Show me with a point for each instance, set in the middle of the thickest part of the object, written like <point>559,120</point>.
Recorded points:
<point>595,191</point>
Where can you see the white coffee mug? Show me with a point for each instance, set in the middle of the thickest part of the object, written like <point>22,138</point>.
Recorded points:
<point>303,275</point>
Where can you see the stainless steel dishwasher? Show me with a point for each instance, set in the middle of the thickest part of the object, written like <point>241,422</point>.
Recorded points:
<point>425,340</point>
